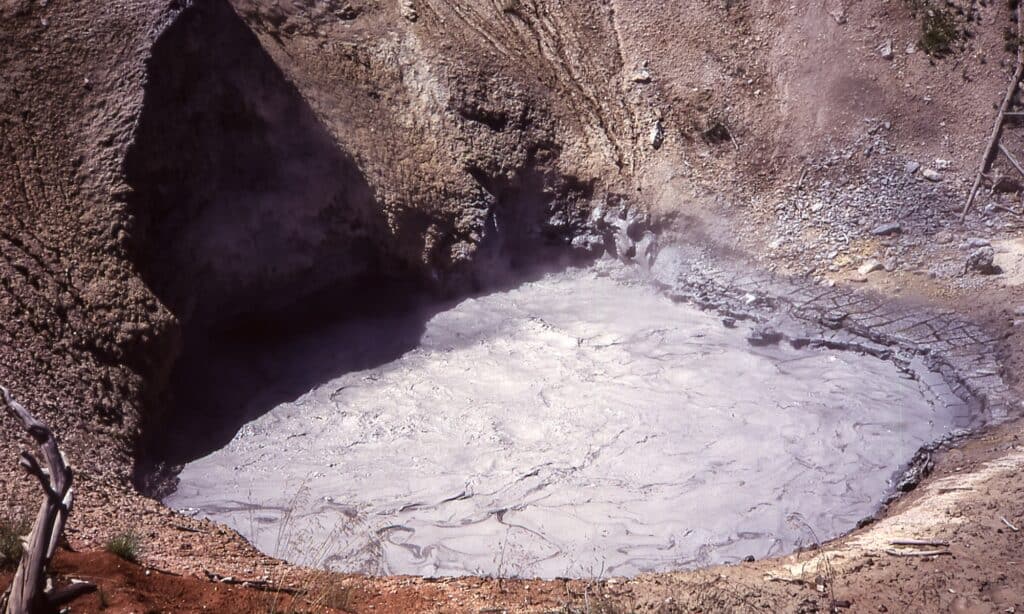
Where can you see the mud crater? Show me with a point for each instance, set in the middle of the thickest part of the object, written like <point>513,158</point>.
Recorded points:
<point>584,422</point>
<point>573,426</point>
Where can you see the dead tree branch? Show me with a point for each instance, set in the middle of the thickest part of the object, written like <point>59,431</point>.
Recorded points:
<point>28,594</point>
<point>993,141</point>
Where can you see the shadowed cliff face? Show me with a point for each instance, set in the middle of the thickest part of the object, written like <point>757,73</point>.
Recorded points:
<point>243,201</point>
<point>250,192</point>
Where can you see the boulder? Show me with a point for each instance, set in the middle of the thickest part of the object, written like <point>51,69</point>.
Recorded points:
<point>982,260</point>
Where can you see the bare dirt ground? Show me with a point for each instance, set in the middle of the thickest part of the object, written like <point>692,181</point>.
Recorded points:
<point>783,132</point>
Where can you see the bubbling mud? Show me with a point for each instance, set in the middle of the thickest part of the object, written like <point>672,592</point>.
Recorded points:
<point>574,426</point>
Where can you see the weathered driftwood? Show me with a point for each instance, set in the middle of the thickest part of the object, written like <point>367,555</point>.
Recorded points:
<point>993,140</point>
<point>260,585</point>
<point>915,553</point>
<point>918,542</point>
<point>27,594</point>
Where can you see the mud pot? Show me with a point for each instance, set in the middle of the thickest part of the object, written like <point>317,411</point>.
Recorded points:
<point>575,426</point>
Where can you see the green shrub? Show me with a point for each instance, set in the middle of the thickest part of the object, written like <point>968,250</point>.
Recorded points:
<point>938,32</point>
<point>939,28</point>
<point>125,545</point>
<point>11,533</point>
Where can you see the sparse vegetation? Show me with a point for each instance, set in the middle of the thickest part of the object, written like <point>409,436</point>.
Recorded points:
<point>1012,40</point>
<point>938,32</point>
<point>11,547</point>
<point>939,27</point>
<point>717,133</point>
<point>312,547</point>
<point>125,545</point>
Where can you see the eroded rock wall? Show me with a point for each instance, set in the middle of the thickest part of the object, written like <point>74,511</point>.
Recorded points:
<point>82,339</point>
<point>241,199</point>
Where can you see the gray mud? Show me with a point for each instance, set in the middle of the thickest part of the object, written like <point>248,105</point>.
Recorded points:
<point>573,426</point>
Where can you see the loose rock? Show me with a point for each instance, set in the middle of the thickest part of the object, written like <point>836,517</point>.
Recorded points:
<point>932,175</point>
<point>886,50</point>
<point>912,167</point>
<point>869,267</point>
<point>982,260</point>
<point>892,228</point>
<point>975,243</point>
<point>408,9</point>
<point>657,134</point>
<point>764,335</point>
<point>642,74</point>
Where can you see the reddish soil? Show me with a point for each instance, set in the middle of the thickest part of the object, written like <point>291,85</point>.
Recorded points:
<point>124,587</point>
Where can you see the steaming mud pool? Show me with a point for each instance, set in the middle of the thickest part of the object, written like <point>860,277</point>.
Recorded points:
<point>574,426</point>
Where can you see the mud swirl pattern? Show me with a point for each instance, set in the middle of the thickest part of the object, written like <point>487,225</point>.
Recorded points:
<point>574,426</point>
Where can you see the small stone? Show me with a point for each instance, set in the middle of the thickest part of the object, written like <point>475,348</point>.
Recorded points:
<point>982,260</point>
<point>347,13</point>
<point>408,9</point>
<point>818,206</point>
<point>642,74</point>
<point>869,267</point>
<point>975,243</point>
<point>884,230</point>
<point>1019,311</point>
<point>931,175</point>
<point>657,134</point>
<point>589,244</point>
<point>729,322</point>
<point>763,336</point>
<point>749,558</point>
<point>886,50</point>
<point>912,167</point>
<point>941,164</point>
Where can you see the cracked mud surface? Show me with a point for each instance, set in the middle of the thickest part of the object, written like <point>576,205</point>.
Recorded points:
<point>575,426</point>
